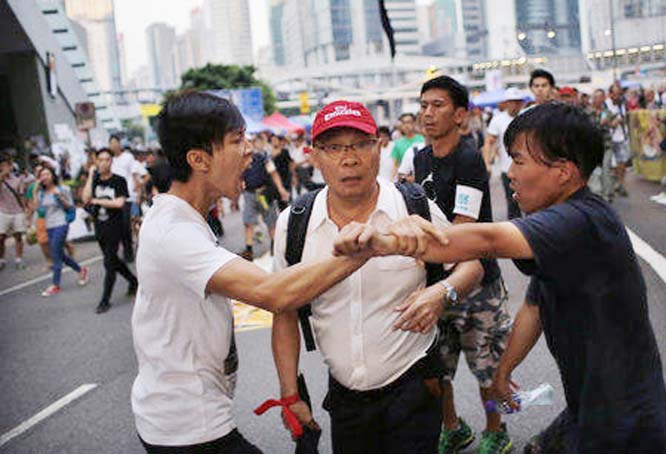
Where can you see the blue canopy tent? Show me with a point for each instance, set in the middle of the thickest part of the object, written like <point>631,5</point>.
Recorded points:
<point>492,98</point>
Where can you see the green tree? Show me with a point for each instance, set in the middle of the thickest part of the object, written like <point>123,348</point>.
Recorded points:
<point>214,77</point>
<point>132,129</point>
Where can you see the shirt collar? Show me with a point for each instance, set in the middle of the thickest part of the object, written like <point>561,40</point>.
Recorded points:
<point>386,203</point>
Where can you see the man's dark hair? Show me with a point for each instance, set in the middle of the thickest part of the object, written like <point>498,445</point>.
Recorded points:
<point>384,130</point>
<point>544,74</point>
<point>194,120</point>
<point>561,132</point>
<point>457,91</point>
<point>114,136</point>
<point>407,114</point>
<point>5,156</point>
<point>104,150</point>
<point>599,90</point>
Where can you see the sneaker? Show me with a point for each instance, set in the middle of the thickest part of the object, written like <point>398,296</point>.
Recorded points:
<point>132,288</point>
<point>50,291</point>
<point>452,441</point>
<point>495,442</point>
<point>102,307</point>
<point>83,276</point>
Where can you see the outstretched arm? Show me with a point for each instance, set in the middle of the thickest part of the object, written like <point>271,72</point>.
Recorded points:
<point>414,236</point>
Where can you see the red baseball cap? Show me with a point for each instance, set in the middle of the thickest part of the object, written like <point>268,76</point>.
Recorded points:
<point>567,91</point>
<point>344,113</point>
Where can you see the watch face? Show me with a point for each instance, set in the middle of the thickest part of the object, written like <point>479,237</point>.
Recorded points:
<point>453,295</point>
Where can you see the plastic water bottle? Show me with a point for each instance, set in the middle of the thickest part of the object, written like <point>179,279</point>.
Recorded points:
<point>541,395</point>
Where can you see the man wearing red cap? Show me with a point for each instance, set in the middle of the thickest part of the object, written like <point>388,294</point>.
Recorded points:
<point>569,95</point>
<point>383,392</point>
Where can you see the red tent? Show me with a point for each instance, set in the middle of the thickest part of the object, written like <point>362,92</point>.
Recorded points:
<point>278,121</point>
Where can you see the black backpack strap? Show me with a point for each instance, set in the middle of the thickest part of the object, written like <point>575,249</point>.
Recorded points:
<point>297,228</point>
<point>417,203</point>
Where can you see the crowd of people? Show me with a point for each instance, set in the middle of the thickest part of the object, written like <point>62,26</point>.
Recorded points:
<point>385,252</point>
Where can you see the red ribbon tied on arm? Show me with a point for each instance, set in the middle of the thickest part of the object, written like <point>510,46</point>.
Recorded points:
<point>292,420</point>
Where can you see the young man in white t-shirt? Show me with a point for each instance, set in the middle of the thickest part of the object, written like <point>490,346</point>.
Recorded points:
<point>123,165</point>
<point>494,145</point>
<point>182,322</point>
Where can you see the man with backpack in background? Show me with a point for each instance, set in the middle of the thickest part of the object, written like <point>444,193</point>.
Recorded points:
<point>383,394</point>
<point>263,188</point>
<point>12,210</point>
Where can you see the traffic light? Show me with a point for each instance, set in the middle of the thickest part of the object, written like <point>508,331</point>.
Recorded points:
<point>304,97</point>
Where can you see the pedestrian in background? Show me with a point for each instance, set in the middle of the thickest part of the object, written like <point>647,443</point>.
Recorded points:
<point>105,194</point>
<point>12,210</point>
<point>55,204</point>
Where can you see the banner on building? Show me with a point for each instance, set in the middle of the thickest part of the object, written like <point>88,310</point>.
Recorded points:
<point>85,115</point>
<point>51,77</point>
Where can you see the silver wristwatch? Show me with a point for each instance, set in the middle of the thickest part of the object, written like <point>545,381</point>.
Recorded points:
<point>451,296</point>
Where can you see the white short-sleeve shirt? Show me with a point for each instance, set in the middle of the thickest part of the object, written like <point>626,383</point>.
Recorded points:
<point>183,337</point>
<point>123,165</point>
<point>353,321</point>
<point>407,164</point>
<point>497,127</point>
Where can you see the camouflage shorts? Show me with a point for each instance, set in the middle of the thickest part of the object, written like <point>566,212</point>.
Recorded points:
<point>479,326</point>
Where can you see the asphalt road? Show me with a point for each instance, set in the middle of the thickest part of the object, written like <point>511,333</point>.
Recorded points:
<point>51,347</point>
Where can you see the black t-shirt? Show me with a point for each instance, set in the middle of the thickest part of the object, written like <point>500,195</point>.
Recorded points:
<point>282,162</point>
<point>109,189</point>
<point>593,308</point>
<point>458,183</point>
<point>256,176</point>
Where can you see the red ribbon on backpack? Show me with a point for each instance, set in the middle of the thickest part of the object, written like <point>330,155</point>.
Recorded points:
<point>292,420</point>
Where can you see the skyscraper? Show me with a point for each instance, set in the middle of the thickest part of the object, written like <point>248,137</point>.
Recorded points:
<point>329,31</point>
<point>161,46</point>
<point>229,32</point>
<point>98,20</point>
<point>548,26</point>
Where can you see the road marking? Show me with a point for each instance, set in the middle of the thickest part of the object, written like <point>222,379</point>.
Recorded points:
<point>46,277</point>
<point>249,318</point>
<point>647,253</point>
<point>45,413</point>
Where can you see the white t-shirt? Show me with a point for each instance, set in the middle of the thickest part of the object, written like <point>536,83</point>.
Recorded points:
<point>497,127</point>
<point>123,165</point>
<point>407,164</point>
<point>618,135</point>
<point>298,155</point>
<point>183,338</point>
<point>353,321</point>
<point>386,162</point>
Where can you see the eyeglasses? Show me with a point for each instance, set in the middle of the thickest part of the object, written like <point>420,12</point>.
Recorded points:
<point>336,149</point>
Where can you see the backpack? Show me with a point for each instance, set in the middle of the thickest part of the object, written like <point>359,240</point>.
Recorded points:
<point>70,213</point>
<point>301,209</point>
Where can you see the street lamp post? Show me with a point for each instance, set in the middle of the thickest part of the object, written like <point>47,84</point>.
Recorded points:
<point>612,33</point>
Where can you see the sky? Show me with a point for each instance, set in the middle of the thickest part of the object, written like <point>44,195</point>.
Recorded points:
<point>133,16</point>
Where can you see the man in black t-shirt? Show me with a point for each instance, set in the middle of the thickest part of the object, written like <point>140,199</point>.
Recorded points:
<point>105,194</point>
<point>453,174</point>
<point>284,165</point>
<point>587,293</point>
